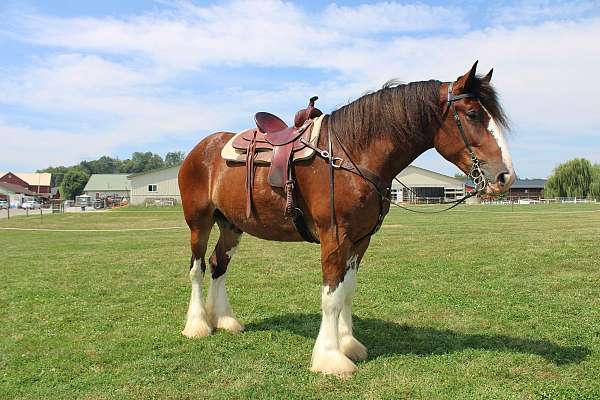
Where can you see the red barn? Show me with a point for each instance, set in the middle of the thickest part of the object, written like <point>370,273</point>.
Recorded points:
<point>37,183</point>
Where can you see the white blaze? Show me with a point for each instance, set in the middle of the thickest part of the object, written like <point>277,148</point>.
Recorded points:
<point>501,140</point>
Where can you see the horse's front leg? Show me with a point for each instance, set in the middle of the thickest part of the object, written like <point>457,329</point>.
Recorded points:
<point>351,347</point>
<point>339,263</point>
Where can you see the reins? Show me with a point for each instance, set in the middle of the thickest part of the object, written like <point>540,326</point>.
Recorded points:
<point>386,196</point>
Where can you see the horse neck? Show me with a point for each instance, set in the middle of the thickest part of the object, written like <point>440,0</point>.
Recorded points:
<point>387,156</point>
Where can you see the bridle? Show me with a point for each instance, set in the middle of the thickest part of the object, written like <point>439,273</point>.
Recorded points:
<point>476,173</point>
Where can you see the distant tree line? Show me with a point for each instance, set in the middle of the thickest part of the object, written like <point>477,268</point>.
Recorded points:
<point>575,178</point>
<point>71,180</point>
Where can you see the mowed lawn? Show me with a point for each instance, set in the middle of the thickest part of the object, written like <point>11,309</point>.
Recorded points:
<point>482,302</point>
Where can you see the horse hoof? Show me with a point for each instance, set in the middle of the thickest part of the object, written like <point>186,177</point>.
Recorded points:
<point>196,328</point>
<point>229,324</point>
<point>353,349</point>
<point>333,363</point>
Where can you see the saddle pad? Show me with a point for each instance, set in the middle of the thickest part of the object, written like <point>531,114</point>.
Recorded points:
<point>264,157</point>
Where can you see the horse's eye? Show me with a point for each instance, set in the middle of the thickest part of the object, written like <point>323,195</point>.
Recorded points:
<point>473,115</point>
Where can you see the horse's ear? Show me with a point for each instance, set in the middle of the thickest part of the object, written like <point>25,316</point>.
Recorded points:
<point>488,77</point>
<point>465,82</point>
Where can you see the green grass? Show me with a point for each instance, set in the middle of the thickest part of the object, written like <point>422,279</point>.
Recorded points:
<point>477,303</point>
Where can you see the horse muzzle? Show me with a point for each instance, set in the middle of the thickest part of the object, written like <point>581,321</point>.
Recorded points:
<point>502,184</point>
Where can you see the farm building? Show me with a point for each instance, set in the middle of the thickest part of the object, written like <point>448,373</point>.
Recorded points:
<point>426,185</point>
<point>101,186</point>
<point>527,189</point>
<point>37,183</point>
<point>15,193</point>
<point>158,186</point>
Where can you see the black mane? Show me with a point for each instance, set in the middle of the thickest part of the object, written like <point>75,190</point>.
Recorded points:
<point>410,112</point>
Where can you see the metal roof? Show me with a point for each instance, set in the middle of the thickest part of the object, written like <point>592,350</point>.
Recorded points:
<point>32,178</point>
<point>529,184</point>
<point>107,182</point>
<point>412,169</point>
<point>151,171</point>
<point>519,183</point>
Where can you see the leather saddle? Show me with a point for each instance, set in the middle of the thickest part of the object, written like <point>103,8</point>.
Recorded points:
<point>273,135</point>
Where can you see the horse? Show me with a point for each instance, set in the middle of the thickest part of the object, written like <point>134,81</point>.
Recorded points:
<point>380,133</point>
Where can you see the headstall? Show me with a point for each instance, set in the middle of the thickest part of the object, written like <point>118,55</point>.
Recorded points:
<point>476,173</point>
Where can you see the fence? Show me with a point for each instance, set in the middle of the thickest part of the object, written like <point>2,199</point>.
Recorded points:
<point>507,200</point>
<point>541,200</point>
<point>159,201</point>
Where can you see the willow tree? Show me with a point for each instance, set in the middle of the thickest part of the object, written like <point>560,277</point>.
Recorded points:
<point>571,179</point>
<point>595,185</point>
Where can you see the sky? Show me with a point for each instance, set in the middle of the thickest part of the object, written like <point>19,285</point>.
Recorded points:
<point>82,79</point>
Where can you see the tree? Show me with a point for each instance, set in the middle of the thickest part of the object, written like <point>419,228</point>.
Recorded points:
<point>595,185</point>
<point>58,174</point>
<point>571,179</point>
<point>174,158</point>
<point>147,161</point>
<point>73,183</point>
<point>154,162</point>
<point>126,166</point>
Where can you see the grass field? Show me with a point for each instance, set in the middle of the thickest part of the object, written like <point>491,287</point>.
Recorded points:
<point>478,303</point>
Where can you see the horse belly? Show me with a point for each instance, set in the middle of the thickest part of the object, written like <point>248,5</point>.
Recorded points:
<point>267,220</point>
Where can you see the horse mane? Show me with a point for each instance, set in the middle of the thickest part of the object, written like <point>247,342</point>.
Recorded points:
<point>409,112</point>
<point>488,97</point>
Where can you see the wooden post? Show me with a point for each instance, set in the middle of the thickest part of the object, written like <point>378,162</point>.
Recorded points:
<point>41,202</point>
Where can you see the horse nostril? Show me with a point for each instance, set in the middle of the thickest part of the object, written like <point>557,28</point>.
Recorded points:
<point>502,178</point>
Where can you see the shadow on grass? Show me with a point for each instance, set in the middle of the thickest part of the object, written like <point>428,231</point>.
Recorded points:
<point>385,338</point>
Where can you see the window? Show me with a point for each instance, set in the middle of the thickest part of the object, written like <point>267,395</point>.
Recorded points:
<point>152,188</point>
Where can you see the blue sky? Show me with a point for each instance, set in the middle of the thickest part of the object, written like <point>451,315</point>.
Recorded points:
<point>82,79</point>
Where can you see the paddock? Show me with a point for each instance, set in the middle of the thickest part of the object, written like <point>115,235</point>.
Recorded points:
<point>490,302</point>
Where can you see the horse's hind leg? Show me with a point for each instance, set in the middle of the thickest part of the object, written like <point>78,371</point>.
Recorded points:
<point>197,324</point>
<point>217,304</point>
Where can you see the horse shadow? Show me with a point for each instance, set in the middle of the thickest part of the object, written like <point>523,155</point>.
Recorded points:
<point>384,338</point>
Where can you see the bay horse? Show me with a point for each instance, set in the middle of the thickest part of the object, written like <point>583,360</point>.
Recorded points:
<point>381,132</point>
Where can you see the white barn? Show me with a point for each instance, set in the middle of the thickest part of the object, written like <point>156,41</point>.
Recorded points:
<point>101,186</point>
<point>427,185</point>
<point>159,185</point>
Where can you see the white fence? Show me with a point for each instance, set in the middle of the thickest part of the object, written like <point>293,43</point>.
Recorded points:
<point>540,200</point>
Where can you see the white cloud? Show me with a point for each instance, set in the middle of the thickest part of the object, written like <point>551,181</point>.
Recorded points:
<point>392,17</point>
<point>534,11</point>
<point>46,146</point>
<point>121,73</point>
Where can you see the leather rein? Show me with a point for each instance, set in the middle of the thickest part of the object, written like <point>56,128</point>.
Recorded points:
<point>383,189</point>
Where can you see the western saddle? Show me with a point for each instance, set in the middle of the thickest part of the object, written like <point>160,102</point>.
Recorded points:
<point>272,134</point>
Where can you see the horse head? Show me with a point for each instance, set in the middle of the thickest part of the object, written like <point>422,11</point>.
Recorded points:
<point>470,135</point>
